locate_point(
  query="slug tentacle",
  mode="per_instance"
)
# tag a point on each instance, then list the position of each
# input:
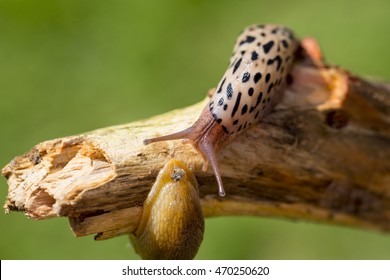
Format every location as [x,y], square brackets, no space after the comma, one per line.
[186,133]
[207,148]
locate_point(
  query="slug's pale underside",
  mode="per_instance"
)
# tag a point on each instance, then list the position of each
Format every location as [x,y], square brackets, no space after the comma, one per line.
[259,69]
[172,223]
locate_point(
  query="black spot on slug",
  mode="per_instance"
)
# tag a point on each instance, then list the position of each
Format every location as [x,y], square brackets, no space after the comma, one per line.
[225,129]
[274,30]
[220,101]
[234,61]
[278,61]
[257,77]
[270,87]
[235,122]
[250,91]
[250,39]
[235,108]
[285,43]
[220,87]
[254,55]
[259,98]
[262,34]
[229,91]
[244,109]
[219,120]
[225,107]
[246,77]
[237,65]
[267,77]
[267,47]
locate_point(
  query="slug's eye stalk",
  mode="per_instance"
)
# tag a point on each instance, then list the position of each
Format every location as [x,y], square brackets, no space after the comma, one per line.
[206,135]
[184,134]
[208,151]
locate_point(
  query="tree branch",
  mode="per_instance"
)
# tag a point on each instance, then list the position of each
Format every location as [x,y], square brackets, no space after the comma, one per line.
[318,156]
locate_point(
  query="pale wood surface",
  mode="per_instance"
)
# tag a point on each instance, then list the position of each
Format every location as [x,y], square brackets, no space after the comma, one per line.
[317,157]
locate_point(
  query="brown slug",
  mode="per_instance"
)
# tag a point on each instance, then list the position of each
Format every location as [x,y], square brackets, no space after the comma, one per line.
[172,223]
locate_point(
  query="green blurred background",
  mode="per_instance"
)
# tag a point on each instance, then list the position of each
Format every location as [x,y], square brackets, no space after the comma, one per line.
[68,67]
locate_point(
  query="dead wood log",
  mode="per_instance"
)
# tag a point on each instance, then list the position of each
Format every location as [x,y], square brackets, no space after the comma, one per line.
[318,156]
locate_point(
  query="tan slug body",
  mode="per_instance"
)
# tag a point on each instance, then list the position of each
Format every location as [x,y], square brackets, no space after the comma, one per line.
[172,223]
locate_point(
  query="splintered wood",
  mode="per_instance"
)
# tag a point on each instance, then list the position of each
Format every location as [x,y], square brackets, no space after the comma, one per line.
[322,155]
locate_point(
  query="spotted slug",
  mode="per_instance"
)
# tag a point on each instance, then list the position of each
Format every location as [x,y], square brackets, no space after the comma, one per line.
[172,223]
[259,67]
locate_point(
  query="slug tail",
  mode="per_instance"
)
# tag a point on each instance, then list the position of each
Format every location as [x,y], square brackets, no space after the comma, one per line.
[208,151]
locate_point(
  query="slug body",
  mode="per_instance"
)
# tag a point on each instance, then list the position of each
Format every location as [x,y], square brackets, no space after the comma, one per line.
[262,59]
[172,223]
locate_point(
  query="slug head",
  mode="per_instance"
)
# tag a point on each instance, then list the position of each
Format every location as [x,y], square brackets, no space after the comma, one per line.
[207,136]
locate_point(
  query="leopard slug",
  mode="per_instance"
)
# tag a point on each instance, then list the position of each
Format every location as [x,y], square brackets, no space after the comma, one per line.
[259,68]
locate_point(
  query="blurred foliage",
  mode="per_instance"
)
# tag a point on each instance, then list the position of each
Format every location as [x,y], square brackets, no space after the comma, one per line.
[72,66]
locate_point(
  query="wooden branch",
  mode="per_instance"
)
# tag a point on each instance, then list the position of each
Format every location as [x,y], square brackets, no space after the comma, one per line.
[318,156]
